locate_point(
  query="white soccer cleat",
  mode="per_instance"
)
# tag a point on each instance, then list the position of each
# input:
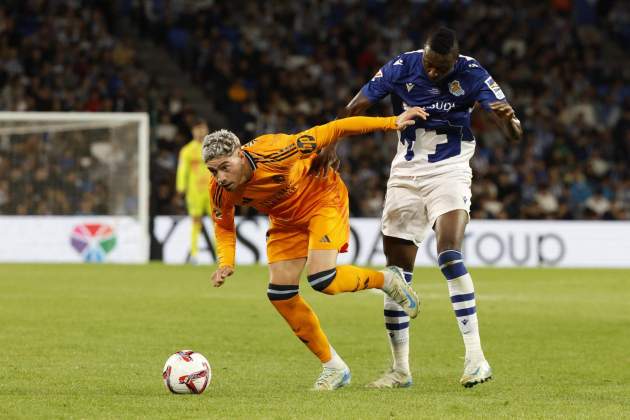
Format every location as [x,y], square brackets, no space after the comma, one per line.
[331,379]
[392,379]
[400,291]
[475,373]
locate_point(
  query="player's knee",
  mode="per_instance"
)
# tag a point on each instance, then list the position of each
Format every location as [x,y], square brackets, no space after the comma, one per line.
[278,293]
[448,243]
[321,280]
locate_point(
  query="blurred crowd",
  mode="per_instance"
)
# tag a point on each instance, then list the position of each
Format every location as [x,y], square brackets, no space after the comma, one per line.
[65,56]
[277,66]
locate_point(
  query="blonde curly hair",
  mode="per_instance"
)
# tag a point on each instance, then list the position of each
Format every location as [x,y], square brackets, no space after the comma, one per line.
[219,144]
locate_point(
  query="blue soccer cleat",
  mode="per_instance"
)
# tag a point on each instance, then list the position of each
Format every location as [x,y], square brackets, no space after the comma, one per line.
[400,291]
[475,373]
[332,378]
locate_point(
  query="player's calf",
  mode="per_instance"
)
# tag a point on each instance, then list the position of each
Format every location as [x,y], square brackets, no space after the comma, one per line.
[301,318]
[345,278]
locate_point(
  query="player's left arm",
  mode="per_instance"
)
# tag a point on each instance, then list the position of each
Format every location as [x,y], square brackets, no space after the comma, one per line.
[493,100]
[503,114]
[321,136]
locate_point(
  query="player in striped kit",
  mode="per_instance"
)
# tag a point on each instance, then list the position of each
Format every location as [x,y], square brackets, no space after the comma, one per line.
[429,184]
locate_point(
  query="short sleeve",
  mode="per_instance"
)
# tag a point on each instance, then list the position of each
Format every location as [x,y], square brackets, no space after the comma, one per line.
[381,84]
[489,92]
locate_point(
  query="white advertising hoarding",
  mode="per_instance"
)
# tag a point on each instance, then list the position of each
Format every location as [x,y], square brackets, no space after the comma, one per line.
[72,239]
[487,243]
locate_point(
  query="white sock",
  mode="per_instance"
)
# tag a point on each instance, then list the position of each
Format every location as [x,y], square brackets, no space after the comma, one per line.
[462,294]
[397,326]
[336,362]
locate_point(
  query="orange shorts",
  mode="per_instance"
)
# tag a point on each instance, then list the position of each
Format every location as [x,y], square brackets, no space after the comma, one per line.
[328,228]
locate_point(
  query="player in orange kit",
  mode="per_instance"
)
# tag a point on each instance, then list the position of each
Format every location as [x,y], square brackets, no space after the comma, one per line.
[309,223]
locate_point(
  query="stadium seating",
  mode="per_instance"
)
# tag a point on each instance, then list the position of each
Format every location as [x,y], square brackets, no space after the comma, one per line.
[282,67]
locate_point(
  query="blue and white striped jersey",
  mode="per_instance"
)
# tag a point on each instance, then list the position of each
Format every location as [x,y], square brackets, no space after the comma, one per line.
[445,139]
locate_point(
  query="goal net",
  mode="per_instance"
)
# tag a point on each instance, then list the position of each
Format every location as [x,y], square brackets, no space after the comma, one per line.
[88,169]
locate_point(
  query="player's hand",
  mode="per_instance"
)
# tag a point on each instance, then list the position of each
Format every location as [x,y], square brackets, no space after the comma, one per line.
[407,118]
[325,160]
[503,110]
[510,124]
[219,276]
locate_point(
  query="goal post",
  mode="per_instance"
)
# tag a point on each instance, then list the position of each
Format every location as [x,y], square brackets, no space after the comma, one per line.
[83,171]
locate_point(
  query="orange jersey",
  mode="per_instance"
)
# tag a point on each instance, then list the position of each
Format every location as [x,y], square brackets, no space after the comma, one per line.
[280,185]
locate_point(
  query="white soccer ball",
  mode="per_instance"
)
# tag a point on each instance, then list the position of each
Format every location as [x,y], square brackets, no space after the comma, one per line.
[186,372]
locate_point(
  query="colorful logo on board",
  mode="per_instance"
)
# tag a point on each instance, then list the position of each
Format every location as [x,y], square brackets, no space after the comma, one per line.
[93,241]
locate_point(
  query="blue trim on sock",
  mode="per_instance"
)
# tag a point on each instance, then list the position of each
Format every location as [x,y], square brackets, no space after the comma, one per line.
[465,311]
[454,270]
[396,327]
[448,256]
[462,298]
[390,313]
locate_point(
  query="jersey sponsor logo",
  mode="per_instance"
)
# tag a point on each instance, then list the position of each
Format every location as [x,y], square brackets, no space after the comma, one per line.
[377,75]
[409,86]
[398,62]
[456,88]
[306,144]
[325,239]
[434,91]
[441,106]
[495,88]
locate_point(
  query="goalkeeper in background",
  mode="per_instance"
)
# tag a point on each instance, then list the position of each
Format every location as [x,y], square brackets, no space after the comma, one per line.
[192,183]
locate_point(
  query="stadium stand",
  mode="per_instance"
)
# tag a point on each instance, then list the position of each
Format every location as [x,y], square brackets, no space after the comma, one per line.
[279,66]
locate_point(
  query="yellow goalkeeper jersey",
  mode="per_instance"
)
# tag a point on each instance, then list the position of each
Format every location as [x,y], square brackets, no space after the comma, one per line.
[192,175]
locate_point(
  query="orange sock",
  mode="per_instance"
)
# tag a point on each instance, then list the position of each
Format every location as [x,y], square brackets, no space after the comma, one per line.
[301,318]
[346,278]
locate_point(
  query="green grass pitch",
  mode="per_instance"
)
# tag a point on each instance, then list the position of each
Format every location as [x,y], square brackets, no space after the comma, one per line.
[89,341]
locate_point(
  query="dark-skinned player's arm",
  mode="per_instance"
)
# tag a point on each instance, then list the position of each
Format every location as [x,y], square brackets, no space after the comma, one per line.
[492,99]
[504,116]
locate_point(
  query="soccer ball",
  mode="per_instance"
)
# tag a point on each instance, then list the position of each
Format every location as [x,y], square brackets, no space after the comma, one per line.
[186,372]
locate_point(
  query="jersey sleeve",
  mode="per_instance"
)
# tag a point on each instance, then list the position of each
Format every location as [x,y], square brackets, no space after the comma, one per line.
[316,138]
[222,213]
[382,84]
[183,171]
[489,91]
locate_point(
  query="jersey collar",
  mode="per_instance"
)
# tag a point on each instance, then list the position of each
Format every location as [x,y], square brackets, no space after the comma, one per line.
[250,159]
